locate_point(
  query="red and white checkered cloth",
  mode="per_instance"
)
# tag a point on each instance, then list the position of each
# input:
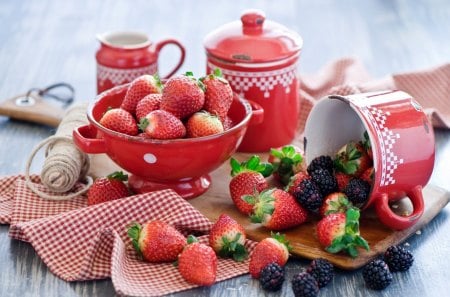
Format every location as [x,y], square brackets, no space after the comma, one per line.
[430,87]
[80,242]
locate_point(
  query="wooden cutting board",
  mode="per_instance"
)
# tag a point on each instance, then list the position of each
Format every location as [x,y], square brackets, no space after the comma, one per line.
[302,238]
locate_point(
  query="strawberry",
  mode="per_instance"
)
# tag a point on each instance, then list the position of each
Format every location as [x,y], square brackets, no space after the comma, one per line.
[138,89]
[273,249]
[295,181]
[160,124]
[333,203]
[340,232]
[227,238]
[149,103]
[182,96]
[218,94]
[352,159]
[156,241]
[276,209]
[368,175]
[247,178]
[202,123]
[119,120]
[286,161]
[108,188]
[197,263]
[342,180]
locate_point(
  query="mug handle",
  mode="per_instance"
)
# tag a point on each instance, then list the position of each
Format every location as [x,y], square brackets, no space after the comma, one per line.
[165,42]
[257,113]
[394,221]
[84,138]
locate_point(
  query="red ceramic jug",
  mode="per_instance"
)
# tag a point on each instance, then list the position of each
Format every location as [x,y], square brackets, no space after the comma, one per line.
[259,58]
[123,56]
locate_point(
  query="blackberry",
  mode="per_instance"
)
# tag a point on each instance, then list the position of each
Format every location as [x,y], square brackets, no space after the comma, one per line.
[357,191]
[325,180]
[377,275]
[321,162]
[322,270]
[272,277]
[398,258]
[304,285]
[308,195]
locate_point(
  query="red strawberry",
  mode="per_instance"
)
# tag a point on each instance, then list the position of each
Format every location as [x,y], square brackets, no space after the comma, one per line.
[295,181]
[286,161]
[352,159]
[149,103]
[119,120]
[273,249]
[197,263]
[333,203]
[340,232]
[157,241]
[227,123]
[227,238]
[202,123]
[368,175]
[247,178]
[218,94]
[160,124]
[342,180]
[108,188]
[182,96]
[276,209]
[138,89]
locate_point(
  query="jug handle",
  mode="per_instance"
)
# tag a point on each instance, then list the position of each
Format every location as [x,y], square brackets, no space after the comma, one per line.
[165,42]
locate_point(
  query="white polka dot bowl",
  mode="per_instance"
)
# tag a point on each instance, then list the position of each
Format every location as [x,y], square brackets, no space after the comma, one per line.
[179,164]
[402,144]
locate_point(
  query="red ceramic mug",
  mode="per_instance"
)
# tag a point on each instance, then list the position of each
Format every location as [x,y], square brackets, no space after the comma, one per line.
[123,56]
[402,142]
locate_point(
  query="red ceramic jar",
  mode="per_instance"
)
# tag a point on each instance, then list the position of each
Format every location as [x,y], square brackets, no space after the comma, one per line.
[259,58]
[123,56]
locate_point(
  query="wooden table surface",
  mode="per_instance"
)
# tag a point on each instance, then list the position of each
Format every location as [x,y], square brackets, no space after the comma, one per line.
[45,41]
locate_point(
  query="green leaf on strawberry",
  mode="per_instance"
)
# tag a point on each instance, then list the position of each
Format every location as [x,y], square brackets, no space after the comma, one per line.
[119,175]
[252,164]
[133,232]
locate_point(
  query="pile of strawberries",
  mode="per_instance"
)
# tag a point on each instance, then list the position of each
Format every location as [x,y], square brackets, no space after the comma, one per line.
[331,188]
[183,107]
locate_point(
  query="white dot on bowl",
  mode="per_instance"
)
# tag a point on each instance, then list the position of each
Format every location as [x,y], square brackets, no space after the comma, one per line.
[150,158]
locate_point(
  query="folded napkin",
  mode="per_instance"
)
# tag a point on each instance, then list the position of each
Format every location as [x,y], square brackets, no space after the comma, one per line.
[79,242]
[429,87]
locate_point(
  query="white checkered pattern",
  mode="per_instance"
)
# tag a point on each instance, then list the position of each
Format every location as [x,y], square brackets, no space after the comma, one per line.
[118,76]
[387,140]
[266,81]
[80,242]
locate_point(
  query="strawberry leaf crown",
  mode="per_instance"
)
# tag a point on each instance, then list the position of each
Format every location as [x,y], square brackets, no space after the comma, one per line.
[232,248]
[191,239]
[252,164]
[288,159]
[119,175]
[281,238]
[347,161]
[366,142]
[158,81]
[350,240]
[341,205]
[263,205]
[134,232]
[199,82]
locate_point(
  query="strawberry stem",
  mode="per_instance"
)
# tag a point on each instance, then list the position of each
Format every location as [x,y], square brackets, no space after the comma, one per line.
[134,232]
[119,175]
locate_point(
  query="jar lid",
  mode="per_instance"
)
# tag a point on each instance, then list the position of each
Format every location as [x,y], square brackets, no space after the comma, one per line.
[253,40]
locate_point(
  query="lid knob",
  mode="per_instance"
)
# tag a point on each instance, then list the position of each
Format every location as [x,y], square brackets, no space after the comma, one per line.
[252,21]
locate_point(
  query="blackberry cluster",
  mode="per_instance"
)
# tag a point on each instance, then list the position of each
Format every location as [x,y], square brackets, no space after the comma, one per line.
[321,162]
[272,277]
[376,274]
[308,195]
[304,285]
[357,191]
[325,180]
[322,270]
[398,258]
